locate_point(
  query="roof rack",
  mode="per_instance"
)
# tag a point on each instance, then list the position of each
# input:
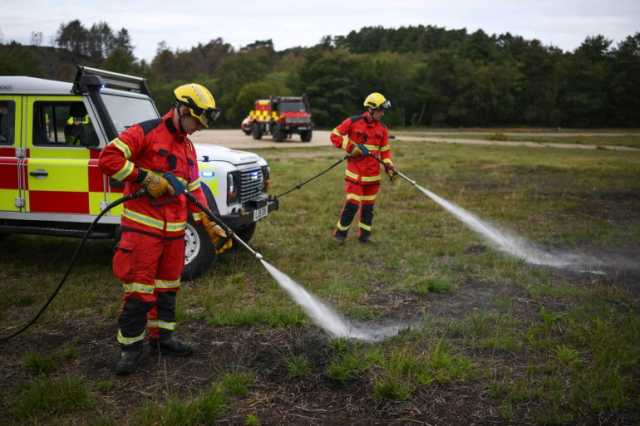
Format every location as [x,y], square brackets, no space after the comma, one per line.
[87,77]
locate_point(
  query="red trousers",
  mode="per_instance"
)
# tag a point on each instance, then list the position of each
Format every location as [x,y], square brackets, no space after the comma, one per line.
[149,267]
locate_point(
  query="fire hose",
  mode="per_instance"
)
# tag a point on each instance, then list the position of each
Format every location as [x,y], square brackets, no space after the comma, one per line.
[74,258]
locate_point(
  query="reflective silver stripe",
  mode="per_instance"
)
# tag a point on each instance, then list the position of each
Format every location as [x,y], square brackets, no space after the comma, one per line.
[167,284]
[129,340]
[122,147]
[125,171]
[162,324]
[138,288]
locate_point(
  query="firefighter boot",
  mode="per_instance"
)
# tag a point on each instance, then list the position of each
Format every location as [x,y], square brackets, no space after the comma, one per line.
[168,345]
[342,227]
[130,356]
[366,220]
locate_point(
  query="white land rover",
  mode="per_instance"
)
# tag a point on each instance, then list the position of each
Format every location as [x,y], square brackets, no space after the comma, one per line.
[51,135]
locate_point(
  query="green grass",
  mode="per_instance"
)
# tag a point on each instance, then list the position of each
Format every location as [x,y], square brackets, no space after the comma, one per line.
[47,396]
[539,345]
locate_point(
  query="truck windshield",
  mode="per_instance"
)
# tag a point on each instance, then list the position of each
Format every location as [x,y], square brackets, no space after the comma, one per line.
[127,110]
[291,107]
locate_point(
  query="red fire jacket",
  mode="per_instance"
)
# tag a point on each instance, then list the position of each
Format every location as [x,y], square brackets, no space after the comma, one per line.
[363,129]
[157,147]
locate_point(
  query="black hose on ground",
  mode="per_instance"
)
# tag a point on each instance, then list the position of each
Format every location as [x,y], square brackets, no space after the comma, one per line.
[72,263]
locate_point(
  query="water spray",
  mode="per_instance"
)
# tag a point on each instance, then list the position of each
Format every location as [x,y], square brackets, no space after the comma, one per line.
[506,241]
[321,314]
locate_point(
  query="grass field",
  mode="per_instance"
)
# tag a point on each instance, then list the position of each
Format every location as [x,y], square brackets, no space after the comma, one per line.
[494,340]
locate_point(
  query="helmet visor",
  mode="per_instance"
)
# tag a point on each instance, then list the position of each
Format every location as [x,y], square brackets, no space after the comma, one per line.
[207,116]
[386,104]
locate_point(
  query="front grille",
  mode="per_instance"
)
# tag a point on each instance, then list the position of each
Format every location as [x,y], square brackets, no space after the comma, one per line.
[251,184]
[297,120]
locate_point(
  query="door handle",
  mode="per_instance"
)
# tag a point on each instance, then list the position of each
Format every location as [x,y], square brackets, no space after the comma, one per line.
[39,173]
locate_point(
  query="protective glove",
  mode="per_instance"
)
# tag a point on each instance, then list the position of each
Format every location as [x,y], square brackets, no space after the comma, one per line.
[359,150]
[156,185]
[390,170]
[216,234]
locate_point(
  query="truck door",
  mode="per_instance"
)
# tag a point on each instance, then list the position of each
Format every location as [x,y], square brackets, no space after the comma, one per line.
[58,178]
[11,154]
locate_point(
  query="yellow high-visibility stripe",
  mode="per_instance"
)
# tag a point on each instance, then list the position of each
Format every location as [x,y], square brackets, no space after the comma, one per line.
[125,171]
[138,288]
[342,228]
[365,227]
[352,196]
[336,132]
[167,284]
[162,324]
[143,219]
[372,148]
[122,147]
[129,340]
[345,144]
[197,216]
[176,226]
[385,148]
[388,161]
[356,176]
[192,186]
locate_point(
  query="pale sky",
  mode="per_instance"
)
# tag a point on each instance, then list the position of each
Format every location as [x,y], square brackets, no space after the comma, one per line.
[184,23]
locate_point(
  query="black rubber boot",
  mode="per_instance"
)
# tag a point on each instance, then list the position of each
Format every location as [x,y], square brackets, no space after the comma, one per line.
[128,361]
[340,236]
[171,346]
[365,237]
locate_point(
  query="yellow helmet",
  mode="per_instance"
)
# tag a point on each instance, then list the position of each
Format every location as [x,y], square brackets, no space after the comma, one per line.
[376,101]
[200,102]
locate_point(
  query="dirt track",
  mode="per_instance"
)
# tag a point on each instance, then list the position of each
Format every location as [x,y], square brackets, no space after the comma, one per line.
[237,140]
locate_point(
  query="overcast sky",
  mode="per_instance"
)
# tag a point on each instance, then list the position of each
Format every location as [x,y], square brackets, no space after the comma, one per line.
[289,23]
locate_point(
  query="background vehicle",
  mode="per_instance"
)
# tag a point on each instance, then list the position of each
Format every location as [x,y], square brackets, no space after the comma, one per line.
[281,117]
[51,135]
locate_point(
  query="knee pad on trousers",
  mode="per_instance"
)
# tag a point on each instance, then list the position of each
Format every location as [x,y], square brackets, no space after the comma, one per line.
[133,317]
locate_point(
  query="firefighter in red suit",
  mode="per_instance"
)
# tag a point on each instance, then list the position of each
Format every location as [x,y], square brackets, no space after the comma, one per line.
[150,255]
[366,139]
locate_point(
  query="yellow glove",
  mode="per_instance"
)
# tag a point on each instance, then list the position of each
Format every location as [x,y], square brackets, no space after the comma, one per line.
[156,185]
[356,152]
[216,233]
[390,170]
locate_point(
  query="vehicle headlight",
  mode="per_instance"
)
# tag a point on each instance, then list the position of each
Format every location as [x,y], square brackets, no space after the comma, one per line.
[266,178]
[233,187]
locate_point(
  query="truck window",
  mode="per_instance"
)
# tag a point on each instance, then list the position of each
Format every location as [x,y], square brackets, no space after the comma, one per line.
[291,107]
[7,122]
[128,110]
[62,124]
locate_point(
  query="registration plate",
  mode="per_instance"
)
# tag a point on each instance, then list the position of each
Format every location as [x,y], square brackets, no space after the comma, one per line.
[260,213]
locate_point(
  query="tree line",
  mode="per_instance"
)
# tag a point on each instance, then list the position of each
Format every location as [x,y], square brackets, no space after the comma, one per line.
[432,75]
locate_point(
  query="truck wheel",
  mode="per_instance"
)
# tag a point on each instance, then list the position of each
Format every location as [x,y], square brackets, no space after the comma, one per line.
[245,233]
[305,135]
[279,134]
[256,131]
[199,252]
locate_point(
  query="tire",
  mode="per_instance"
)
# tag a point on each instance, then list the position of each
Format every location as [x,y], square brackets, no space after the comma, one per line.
[256,131]
[306,135]
[279,135]
[199,252]
[245,233]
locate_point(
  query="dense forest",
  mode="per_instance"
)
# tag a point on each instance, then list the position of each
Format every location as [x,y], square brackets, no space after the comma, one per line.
[433,76]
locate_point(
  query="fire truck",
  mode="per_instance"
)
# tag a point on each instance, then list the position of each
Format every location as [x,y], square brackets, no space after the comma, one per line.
[51,135]
[281,117]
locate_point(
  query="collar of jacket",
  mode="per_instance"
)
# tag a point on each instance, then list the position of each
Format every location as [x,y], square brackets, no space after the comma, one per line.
[168,121]
[368,118]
